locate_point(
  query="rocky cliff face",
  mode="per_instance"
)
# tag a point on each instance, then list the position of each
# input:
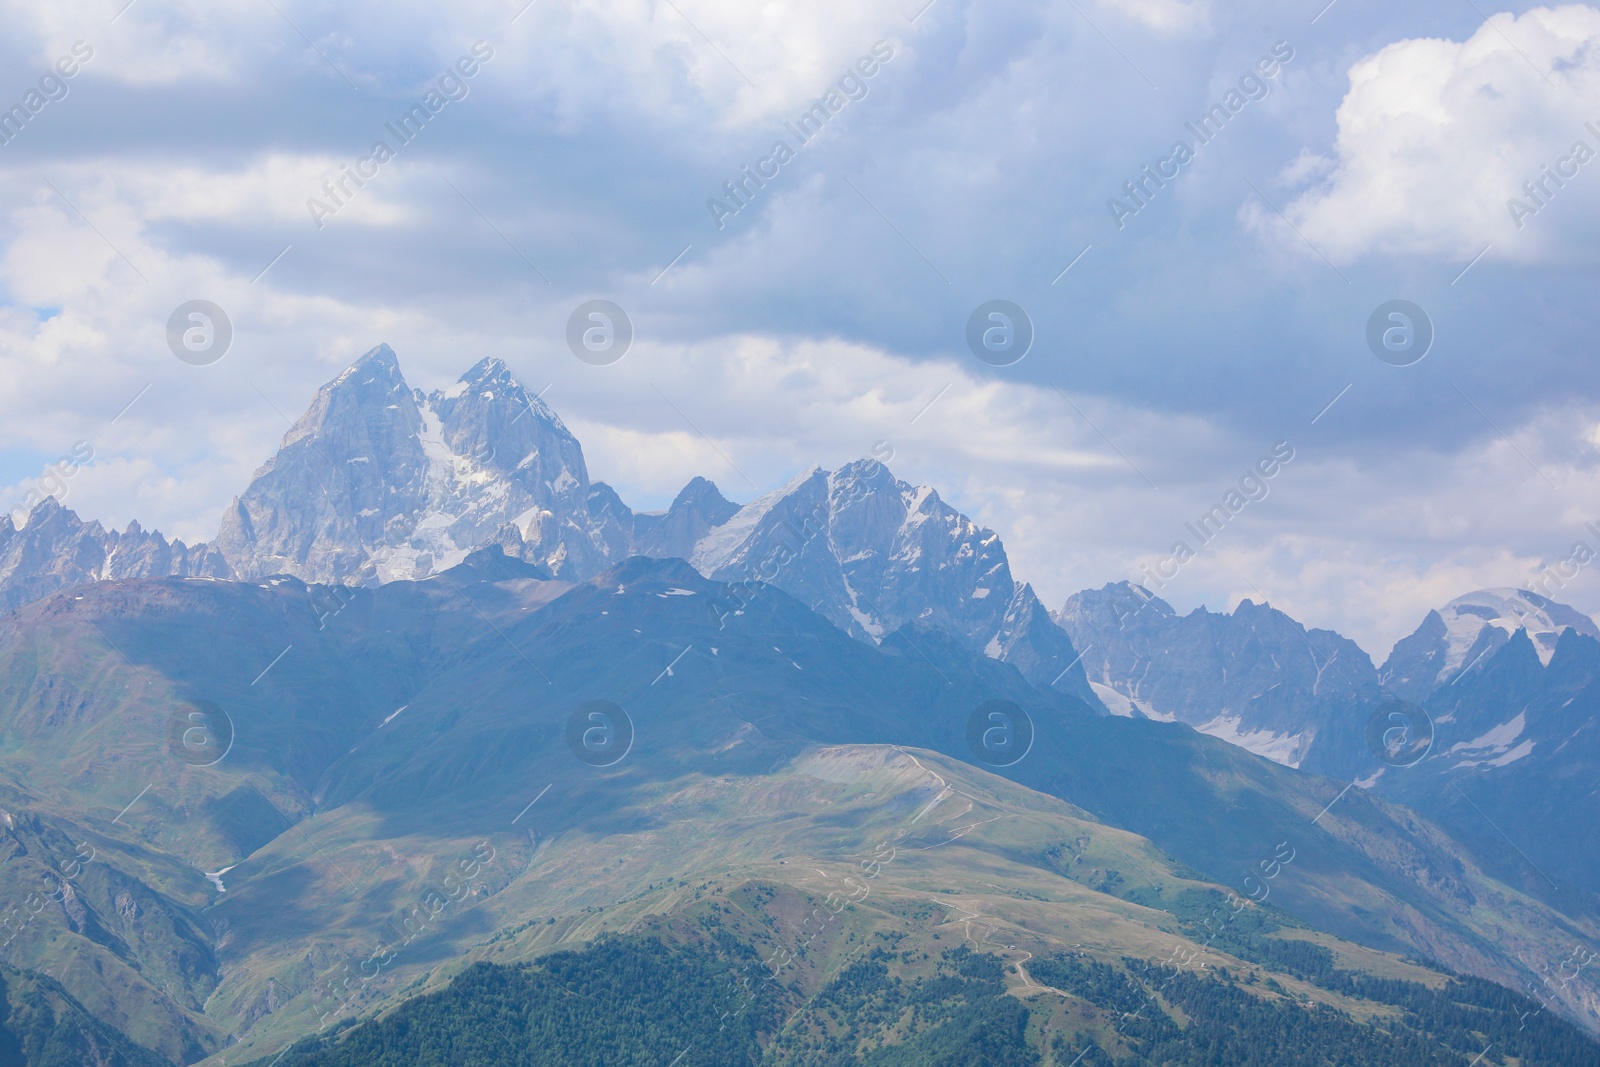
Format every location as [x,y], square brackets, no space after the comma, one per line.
[55,549]
[1514,757]
[869,551]
[1499,673]
[671,534]
[1255,677]
[696,511]
[874,554]
[377,481]
[1260,679]
[1465,633]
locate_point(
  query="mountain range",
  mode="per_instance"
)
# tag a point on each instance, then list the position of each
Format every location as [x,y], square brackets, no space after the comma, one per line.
[211,909]
[377,481]
[324,784]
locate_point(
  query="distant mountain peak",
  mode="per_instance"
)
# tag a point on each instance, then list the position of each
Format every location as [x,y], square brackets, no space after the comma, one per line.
[492,564]
[874,554]
[864,470]
[379,361]
[698,508]
[379,482]
[1507,609]
[1122,601]
[55,549]
[643,568]
[47,510]
[490,381]
[1464,634]
[490,370]
[699,491]
[1254,677]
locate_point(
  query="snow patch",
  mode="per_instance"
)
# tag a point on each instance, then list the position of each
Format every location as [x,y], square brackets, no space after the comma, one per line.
[1128,707]
[1494,747]
[1508,610]
[1498,739]
[215,877]
[1114,701]
[1515,754]
[1286,749]
[720,545]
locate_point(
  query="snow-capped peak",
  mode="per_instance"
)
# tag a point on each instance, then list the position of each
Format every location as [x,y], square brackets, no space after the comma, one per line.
[379,362]
[1507,610]
[379,482]
[873,554]
[1466,633]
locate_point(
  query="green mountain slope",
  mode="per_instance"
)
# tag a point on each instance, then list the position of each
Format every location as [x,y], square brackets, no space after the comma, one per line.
[399,802]
[42,1025]
[897,992]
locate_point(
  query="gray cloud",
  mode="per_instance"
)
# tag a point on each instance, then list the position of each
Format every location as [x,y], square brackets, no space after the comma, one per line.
[978,166]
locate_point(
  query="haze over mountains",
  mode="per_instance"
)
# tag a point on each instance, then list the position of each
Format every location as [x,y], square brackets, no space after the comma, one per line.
[402,611]
[1500,687]
[383,735]
[377,482]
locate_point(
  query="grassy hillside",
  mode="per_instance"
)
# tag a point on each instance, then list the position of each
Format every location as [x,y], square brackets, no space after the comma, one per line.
[42,1025]
[400,803]
[898,990]
[855,849]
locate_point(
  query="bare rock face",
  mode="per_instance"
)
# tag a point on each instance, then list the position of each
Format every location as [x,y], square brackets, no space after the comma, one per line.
[346,475]
[874,554]
[670,534]
[868,551]
[698,509]
[55,550]
[377,482]
[380,482]
[1254,676]
[1462,636]
[1033,642]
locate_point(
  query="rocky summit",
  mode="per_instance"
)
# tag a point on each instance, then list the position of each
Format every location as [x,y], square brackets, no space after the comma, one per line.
[379,482]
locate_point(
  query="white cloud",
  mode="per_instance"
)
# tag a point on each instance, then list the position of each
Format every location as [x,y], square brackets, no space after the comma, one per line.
[1435,136]
[1166,16]
[774,406]
[972,164]
[149,44]
[269,189]
[744,62]
[792,54]
[1365,548]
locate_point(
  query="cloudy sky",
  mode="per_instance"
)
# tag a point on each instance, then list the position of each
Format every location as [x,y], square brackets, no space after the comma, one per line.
[1430,154]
